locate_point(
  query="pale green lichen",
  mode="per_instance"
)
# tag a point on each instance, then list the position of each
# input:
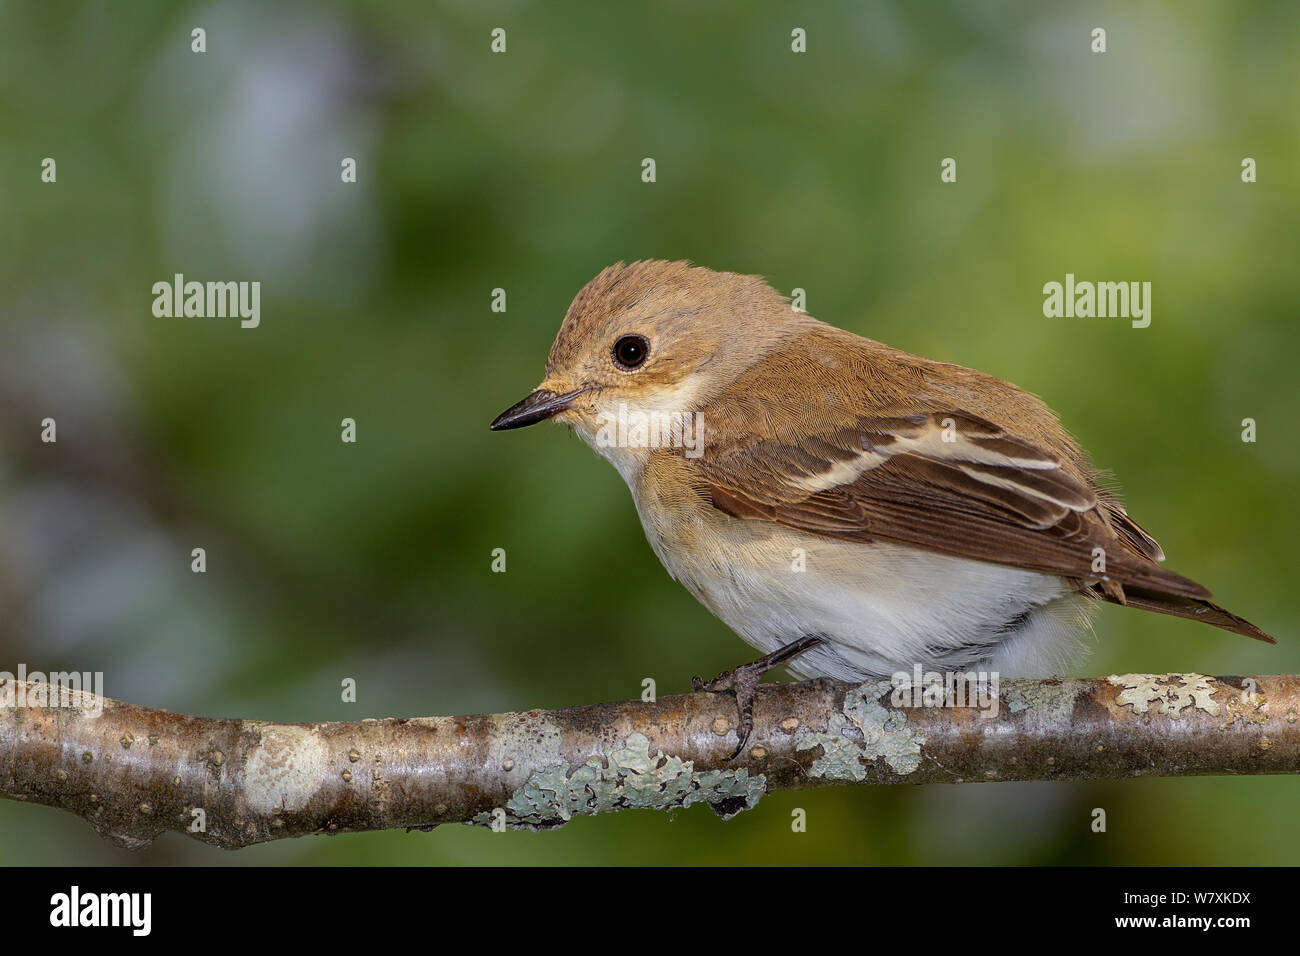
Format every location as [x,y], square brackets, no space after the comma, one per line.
[1173,692]
[1048,701]
[885,735]
[628,778]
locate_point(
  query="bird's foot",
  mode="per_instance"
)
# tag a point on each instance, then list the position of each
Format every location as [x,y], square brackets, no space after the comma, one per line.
[743,680]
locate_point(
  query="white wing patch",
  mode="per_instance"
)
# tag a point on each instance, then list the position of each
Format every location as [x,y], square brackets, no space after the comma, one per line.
[839,473]
[990,457]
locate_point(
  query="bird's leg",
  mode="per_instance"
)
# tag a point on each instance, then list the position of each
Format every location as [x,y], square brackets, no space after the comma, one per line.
[743,680]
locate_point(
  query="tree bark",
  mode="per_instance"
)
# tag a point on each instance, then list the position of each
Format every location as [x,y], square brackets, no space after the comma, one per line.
[133,772]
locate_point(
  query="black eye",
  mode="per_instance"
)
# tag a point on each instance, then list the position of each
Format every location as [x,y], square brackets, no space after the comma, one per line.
[631,351]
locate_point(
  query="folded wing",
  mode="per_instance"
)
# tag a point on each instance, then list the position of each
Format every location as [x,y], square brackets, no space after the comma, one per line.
[949,482]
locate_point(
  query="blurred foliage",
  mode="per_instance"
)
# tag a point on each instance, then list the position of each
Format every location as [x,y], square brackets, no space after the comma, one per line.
[522,171]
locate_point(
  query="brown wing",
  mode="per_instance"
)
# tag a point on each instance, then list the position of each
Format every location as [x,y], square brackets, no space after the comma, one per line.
[949,482]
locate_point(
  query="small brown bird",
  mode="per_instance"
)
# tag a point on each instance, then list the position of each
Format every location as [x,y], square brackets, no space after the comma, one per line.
[831,498]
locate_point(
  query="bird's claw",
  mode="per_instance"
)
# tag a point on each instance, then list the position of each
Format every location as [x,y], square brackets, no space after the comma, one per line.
[742,682]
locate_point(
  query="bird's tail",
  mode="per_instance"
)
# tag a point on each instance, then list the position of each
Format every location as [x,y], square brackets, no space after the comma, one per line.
[1194,609]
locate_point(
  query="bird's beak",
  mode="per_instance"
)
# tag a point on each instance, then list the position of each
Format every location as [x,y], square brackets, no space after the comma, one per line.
[539,406]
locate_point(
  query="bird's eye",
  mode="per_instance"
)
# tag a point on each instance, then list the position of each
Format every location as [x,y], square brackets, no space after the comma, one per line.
[631,351]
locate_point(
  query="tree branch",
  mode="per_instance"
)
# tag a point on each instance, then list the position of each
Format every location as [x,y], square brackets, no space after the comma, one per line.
[133,772]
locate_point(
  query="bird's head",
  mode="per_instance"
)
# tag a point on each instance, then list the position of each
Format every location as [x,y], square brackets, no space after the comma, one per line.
[653,338]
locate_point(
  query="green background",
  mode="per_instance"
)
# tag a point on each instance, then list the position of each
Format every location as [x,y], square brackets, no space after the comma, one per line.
[522,171]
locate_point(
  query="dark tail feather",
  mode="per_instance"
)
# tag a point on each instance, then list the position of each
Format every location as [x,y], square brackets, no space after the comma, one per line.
[1194,609]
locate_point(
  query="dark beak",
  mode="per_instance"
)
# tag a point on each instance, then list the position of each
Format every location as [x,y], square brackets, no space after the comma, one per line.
[537,407]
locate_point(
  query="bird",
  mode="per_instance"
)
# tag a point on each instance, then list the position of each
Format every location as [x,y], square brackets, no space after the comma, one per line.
[850,510]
